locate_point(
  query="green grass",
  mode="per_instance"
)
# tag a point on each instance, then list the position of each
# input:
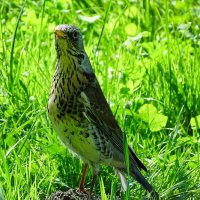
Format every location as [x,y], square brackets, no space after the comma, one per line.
[146,55]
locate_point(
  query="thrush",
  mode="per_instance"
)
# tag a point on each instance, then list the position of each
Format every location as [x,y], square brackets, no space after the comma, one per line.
[81,116]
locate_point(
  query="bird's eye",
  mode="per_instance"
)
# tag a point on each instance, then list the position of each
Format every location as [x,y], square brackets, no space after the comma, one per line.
[75,34]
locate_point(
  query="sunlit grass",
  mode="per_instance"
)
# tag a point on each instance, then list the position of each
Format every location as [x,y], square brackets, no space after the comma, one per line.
[142,54]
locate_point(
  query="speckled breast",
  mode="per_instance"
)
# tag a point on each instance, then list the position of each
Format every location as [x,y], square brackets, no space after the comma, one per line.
[76,132]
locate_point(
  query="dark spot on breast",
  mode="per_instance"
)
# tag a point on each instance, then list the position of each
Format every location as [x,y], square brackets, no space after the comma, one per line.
[52,92]
[75,91]
[68,88]
[56,84]
[72,133]
[58,116]
[69,52]
[74,65]
[86,135]
[78,79]
[61,102]
[67,70]
[63,91]
[64,106]
[69,111]
[72,74]
[63,80]
[74,117]
[62,114]
[73,86]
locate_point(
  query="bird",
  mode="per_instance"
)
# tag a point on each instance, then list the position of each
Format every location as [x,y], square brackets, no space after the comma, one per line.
[81,115]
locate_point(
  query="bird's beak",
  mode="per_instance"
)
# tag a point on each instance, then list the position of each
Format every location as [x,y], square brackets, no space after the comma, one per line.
[59,33]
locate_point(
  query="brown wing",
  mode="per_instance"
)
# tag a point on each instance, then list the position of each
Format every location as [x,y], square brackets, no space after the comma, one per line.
[101,115]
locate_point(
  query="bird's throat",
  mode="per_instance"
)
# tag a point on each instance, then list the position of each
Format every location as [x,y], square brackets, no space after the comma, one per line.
[67,83]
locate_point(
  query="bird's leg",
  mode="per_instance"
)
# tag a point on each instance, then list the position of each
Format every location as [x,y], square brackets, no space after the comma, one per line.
[81,186]
[94,178]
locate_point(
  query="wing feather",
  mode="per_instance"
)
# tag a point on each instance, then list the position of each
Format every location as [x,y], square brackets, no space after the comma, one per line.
[101,115]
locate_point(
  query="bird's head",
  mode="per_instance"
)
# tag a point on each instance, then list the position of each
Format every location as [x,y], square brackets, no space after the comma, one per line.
[68,39]
[69,44]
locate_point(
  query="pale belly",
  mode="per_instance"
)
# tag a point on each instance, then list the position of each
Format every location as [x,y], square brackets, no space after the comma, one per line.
[77,139]
[80,136]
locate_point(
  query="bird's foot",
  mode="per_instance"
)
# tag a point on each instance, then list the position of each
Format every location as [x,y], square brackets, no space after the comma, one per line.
[85,191]
[82,189]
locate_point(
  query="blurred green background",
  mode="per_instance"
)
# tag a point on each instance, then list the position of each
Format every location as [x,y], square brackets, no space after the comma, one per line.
[146,56]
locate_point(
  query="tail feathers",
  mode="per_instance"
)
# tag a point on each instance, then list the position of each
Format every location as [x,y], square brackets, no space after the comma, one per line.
[136,159]
[136,174]
[122,177]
